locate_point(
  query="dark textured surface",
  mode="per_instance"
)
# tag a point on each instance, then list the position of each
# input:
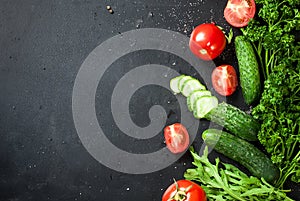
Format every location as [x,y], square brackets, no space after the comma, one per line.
[43,44]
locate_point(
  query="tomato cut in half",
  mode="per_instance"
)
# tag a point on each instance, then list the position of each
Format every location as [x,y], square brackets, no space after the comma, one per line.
[224,80]
[184,190]
[176,137]
[239,12]
[207,41]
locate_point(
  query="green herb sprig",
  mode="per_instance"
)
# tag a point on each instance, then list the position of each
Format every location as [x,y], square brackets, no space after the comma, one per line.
[230,183]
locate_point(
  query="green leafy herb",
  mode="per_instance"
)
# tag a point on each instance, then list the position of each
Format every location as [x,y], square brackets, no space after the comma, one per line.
[229,36]
[230,183]
[273,34]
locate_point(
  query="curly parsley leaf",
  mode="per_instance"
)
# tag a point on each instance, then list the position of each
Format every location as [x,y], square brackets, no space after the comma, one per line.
[273,34]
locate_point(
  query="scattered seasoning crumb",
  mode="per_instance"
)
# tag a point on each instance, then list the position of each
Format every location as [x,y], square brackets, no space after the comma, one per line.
[110,10]
[150,14]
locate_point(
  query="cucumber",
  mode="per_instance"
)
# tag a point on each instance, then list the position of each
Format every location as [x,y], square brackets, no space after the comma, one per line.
[249,70]
[194,96]
[191,85]
[174,84]
[203,105]
[235,121]
[243,152]
[182,80]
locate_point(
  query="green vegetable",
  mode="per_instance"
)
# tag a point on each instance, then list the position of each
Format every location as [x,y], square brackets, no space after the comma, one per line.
[191,99]
[249,70]
[203,105]
[273,34]
[241,151]
[279,112]
[191,85]
[225,182]
[183,80]
[174,84]
[235,121]
[199,100]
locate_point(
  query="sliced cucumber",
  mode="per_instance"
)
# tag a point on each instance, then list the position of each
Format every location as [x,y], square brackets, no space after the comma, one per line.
[174,84]
[182,81]
[203,105]
[194,96]
[191,85]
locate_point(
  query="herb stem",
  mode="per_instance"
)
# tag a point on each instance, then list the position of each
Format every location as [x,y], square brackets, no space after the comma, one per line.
[267,64]
[258,50]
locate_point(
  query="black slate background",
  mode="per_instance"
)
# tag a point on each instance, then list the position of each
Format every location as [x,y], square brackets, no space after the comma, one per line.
[43,44]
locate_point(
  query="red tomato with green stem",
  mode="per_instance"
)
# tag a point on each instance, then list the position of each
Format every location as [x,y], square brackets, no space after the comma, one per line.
[207,41]
[239,12]
[224,80]
[176,137]
[184,190]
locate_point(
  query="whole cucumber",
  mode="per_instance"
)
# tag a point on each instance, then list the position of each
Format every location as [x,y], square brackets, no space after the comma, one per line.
[249,70]
[235,121]
[243,152]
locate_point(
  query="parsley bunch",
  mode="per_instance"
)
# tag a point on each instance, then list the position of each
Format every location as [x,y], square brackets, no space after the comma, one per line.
[273,33]
[230,183]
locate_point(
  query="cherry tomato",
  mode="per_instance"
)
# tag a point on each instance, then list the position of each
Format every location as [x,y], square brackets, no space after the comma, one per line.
[207,41]
[177,138]
[184,190]
[239,12]
[224,80]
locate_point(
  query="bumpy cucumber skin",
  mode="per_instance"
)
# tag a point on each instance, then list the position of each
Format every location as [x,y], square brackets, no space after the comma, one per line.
[243,152]
[235,121]
[249,70]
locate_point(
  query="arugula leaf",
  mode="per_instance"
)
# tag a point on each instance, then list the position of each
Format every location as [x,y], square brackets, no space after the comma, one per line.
[229,183]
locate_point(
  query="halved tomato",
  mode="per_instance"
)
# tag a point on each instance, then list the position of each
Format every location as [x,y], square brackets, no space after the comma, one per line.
[239,12]
[177,138]
[224,80]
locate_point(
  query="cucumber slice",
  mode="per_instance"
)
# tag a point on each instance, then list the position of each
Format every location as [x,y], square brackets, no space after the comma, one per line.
[191,85]
[174,84]
[194,96]
[203,105]
[182,81]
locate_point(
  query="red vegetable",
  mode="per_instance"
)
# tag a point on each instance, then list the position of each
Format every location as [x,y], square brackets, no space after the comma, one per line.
[184,190]
[239,12]
[207,41]
[177,138]
[224,80]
